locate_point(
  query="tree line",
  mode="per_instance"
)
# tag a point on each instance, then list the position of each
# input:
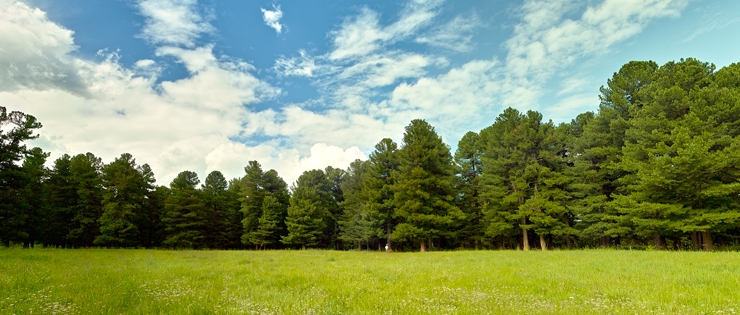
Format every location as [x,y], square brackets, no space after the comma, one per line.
[657,166]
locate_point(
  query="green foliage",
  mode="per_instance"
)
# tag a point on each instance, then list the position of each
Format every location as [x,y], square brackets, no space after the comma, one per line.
[307,211]
[126,188]
[256,185]
[423,190]
[185,216]
[220,230]
[85,171]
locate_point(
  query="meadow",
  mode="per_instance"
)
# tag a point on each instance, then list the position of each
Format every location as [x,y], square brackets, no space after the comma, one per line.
[99,281]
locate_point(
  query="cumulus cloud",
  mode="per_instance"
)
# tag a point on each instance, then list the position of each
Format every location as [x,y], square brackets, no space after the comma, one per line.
[187,124]
[549,37]
[34,51]
[370,85]
[272,18]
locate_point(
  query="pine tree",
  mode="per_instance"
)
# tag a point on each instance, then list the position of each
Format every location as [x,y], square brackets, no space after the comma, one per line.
[423,192]
[124,198]
[503,188]
[34,195]
[468,160]
[599,152]
[185,214]
[306,216]
[359,222]
[254,187]
[63,199]
[271,223]
[377,186]
[682,156]
[86,179]
[12,151]
[214,195]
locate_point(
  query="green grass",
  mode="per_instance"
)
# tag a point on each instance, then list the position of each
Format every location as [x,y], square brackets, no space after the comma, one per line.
[45,281]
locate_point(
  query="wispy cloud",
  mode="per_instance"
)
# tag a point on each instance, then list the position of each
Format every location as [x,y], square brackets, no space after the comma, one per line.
[455,35]
[713,18]
[302,66]
[370,83]
[173,22]
[363,34]
[272,18]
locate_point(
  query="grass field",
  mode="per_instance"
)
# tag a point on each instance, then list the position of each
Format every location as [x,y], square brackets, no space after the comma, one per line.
[44,281]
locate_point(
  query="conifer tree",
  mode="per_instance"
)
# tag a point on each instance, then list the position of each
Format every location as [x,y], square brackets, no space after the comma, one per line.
[86,179]
[126,187]
[307,211]
[468,159]
[185,214]
[377,187]
[599,152]
[423,192]
[214,197]
[255,186]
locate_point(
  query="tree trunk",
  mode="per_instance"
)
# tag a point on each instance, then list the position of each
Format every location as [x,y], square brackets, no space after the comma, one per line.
[543,243]
[359,246]
[658,242]
[707,238]
[423,246]
[568,241]
[695,240]
[388,239]
[676,243]
[525,240]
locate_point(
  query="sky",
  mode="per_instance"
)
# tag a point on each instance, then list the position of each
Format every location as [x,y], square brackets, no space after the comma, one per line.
[297,85]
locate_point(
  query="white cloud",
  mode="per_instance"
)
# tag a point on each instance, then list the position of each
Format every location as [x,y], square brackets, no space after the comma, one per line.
[173,22]
[456,35]
[178,125]
[303,66]
[713,18]
[370,87]
[272,18]
[34,51]
[362,34]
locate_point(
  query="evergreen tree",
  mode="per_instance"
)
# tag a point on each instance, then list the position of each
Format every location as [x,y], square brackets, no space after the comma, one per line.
[214,195]
[126,186]
[310,209]
[334,198]
[377,186]
[34,195]
[424,194]
[234,215]
[86,179]
[681,154]
[468,159]
[271,223]
[185,214]
[359,223]
[63,200]
[503,188]
[255,186]
[599,152]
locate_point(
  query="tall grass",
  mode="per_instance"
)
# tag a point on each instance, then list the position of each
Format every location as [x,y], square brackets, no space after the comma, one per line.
[47,281]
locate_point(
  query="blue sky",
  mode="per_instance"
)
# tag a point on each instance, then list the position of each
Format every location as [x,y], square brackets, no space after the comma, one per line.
[210,85]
